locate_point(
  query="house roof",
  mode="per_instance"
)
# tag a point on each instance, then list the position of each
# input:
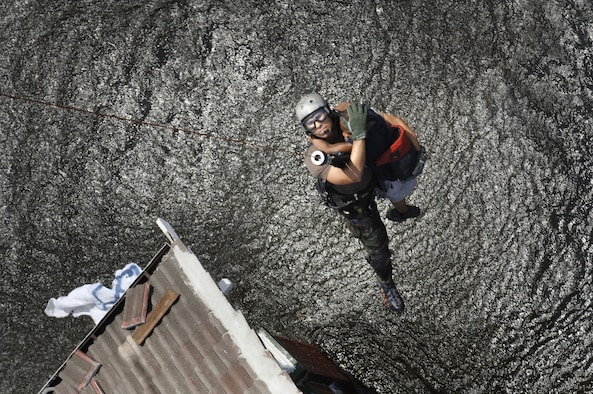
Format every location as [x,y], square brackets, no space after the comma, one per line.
[191,339]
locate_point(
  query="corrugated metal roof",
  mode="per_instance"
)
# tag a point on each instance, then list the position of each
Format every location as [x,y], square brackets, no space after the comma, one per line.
[200,345]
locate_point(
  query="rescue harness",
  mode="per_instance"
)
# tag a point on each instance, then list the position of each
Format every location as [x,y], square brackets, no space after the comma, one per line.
[340,201]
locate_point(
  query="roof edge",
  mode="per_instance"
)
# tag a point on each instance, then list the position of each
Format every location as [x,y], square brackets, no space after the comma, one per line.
[252,349]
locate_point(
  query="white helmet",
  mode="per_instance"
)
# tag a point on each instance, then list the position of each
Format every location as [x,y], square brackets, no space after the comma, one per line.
[308,104]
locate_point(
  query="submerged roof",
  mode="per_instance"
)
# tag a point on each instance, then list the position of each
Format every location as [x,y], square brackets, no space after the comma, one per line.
[192,339]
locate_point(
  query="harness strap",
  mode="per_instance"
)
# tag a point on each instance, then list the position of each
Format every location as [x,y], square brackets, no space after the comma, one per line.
[340,201]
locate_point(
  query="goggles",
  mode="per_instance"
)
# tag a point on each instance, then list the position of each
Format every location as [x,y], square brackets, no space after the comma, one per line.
[319,115]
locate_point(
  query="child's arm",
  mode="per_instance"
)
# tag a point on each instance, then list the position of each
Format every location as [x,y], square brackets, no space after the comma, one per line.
[326,147]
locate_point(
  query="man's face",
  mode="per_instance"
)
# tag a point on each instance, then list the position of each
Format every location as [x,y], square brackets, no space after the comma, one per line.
[319,124]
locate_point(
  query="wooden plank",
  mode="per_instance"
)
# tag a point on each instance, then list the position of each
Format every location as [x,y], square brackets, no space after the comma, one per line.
[155,316]
[97,387]
[136,306]
[79,370]
[93,368]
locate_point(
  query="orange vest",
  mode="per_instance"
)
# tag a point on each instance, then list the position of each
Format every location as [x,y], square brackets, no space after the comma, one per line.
[398,149]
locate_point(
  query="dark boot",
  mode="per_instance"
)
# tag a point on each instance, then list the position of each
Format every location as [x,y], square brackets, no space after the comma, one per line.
[396,216]
[391,296]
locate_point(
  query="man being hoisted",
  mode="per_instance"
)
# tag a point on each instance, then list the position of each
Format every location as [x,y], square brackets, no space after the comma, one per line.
[394,155]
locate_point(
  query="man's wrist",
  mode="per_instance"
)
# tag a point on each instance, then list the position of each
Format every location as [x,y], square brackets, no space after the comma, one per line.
[359,136]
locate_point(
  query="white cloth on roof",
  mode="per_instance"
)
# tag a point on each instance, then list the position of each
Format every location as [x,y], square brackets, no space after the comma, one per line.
[93,300]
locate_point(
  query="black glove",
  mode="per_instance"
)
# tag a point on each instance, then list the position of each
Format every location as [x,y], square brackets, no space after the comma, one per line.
[422,157]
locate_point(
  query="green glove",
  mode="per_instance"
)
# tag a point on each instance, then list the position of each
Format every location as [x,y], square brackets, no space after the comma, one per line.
[357,121]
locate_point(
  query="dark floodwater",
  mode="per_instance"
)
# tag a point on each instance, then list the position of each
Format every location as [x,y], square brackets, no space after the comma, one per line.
[497,273]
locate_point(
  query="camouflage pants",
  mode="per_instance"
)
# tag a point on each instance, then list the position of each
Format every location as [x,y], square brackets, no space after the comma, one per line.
[364,223]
